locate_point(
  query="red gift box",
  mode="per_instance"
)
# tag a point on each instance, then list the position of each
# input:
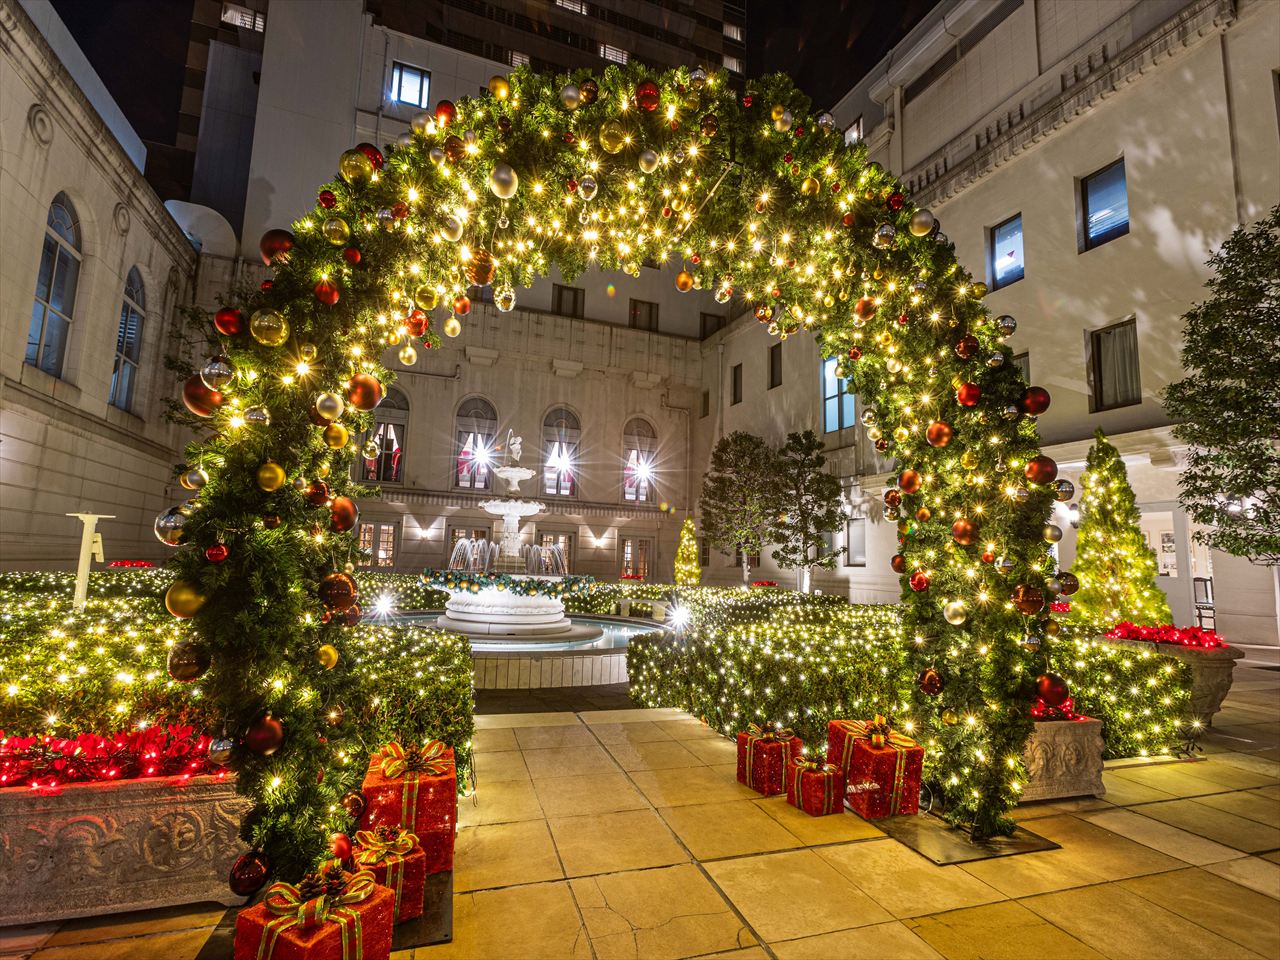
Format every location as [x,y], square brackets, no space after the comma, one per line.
[882,767]
[351,920]
[763,756]
[396,860]
[816,788]
[415,788]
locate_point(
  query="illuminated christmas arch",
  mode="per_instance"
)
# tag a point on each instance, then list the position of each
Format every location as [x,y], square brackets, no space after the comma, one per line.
[749,196]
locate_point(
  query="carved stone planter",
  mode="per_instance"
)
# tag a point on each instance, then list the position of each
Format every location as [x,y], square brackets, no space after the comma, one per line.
[95,848]
[1211,671]
[1064,759]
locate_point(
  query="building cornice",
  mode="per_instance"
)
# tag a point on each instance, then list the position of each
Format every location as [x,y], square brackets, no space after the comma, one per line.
[48,79]
[937,179]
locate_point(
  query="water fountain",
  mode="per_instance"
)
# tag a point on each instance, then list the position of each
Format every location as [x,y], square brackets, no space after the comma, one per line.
[514,589]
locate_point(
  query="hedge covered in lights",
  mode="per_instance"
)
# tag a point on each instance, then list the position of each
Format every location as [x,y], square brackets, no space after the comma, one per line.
[752,658]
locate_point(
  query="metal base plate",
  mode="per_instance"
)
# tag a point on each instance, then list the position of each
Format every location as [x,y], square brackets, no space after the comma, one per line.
[936,840]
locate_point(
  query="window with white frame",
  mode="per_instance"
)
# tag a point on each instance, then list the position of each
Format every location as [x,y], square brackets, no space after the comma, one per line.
[855,541]
[568,301]
[565,541]
[243,17]
[733,64]
[519,59]
[639,444]
[476,430]
[561,434]
[637,553]
[704,552]
[1114,373]
[853,133]
[378,545]
[410,84]
[389,431]
[614,54]
[55,289]
[574,6]
[1004,255]
[133,310]
[838,405]
[733,32]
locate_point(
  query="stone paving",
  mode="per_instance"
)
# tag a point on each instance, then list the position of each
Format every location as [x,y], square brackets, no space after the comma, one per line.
[624,834]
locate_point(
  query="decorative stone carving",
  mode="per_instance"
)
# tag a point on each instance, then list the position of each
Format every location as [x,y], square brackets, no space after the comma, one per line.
[96,848]
[1211,671]
[1064,759]
[121,218]
[40,124]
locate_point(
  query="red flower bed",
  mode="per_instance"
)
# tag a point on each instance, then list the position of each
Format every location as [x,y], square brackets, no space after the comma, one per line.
[764,583]
[631,576]
[49,762]
[132,563]
[1183,636]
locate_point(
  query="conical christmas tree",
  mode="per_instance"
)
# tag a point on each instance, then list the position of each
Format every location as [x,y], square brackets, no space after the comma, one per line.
[1116,567]
[688,570]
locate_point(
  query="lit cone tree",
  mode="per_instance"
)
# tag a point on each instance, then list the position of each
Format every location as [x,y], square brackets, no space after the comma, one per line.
[1115,565]
[688,571]
[747,195]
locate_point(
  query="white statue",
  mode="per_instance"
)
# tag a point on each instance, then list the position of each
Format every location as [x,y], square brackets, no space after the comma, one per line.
[513,446]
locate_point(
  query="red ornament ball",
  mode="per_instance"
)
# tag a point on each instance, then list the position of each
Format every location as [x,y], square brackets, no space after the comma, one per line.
[343,514]
[340,846]
[1027,600]
[849,219]
[988,557]
[938,433]
[918,581]
[266,285]
[416,323]
[338,591]
[445,112]
[964,532]
[326,292]
[909,481]
[647,96]
[216,553]
[967,347]
[865,308]
[198,398]
[930,682]
[364,392]
[270,521]
[855,353]
[351,255]
[275,246]
[229,322]
[1070,583]
[328,199]
[400,210]
[898,562]
[462,305]
[265,736]
[248,873]
[350,616]
[1041,469]
[1035,401]
[968,394]
[1052,689]
[896,200]
[892,498]
[372,152]
[317,493]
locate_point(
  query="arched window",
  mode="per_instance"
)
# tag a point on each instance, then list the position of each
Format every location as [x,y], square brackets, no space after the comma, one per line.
[477,429]
[560,435]
[55,289]
[639,444]
[390,425]
[128,341]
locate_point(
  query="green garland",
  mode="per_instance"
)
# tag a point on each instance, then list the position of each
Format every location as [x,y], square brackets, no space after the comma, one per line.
[517,584]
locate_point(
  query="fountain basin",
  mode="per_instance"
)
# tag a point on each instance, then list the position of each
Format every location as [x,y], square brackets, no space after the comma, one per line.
[502,613]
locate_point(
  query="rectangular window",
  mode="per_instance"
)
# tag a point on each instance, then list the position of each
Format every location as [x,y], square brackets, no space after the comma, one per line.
[410,85]
[1004,255]
[1104,205]
[562,540]
[568,301]
[733,32]
[475,457]
[1023,362]
[243,17]
[853,133]
[855,542]
[711,322]
[637,476]
[575,6]
[1113,366]
[559,470]
[706,404]
[615,54]
[838,405]
[732,64]
[643,315]
[457,534]
[704,552]
[636,554]
[519,59]
[385,467]
[735,384]
[753,559]
[378,545]
[775,366]
[128,349]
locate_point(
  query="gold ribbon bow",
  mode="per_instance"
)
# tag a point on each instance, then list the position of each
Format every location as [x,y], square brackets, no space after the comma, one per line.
[881,734]
[802,765]
[429,759]
[292,910]
[375,849]
[769,735]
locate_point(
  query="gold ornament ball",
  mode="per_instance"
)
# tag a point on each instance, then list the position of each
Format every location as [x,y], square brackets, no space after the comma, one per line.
[499,87]
[330,406]
[950,718]
[308,352]
[349,567]
[613,136]
[684,281]
[570,96]
[777,112]
[194,479]
[451,229]
[503,181]
[408,355]
[452,327]
[322,470]
[269,328]
[648,161]
[955,612]
[809,186]
[370,450]
[504,298]
[271,476]
[783,123]
[426,297]
[183,599]
[327,655]
[336,231]
[355,167]
[336,435]
[922,222]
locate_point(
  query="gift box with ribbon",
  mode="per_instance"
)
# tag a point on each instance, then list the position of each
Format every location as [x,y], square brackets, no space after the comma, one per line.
[763,755]
[330,915]
[882,767]
[396,860]
[815,787]
[415,788]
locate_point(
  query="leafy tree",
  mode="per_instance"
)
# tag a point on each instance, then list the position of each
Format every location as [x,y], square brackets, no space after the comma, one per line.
[810,508]
[688,569]
[739,502]
[1229,402]
[1116,567]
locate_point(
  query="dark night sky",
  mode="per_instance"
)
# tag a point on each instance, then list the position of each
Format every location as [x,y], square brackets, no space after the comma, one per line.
[138,47]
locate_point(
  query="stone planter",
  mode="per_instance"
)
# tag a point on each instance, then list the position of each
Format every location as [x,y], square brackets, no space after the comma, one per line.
[1211,671]
[95,848]
[1064,759]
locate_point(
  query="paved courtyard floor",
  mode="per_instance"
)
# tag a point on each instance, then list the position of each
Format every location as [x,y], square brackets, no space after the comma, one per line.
[624,834]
